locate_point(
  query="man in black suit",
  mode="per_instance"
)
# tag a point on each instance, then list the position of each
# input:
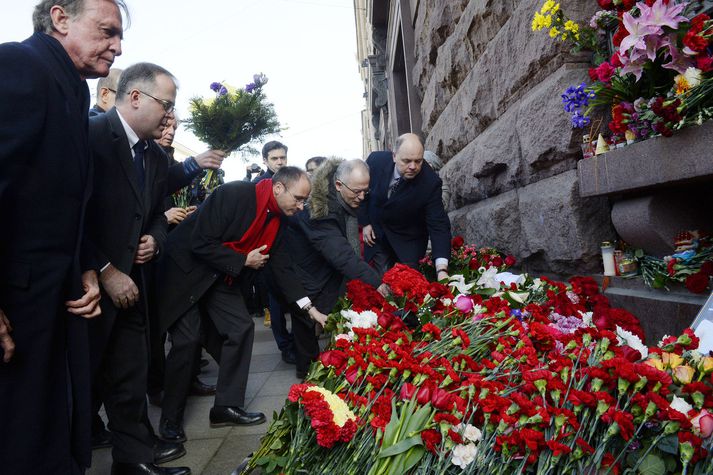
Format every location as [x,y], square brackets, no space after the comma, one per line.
[404,209]
[128,229]
[323,240]
[48,285]
[210,257]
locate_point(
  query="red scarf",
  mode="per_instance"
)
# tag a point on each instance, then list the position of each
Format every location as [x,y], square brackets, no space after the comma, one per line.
[262,231]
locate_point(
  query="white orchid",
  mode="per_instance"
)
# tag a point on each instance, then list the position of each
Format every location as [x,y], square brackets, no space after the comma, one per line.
[457,281]
[488,280]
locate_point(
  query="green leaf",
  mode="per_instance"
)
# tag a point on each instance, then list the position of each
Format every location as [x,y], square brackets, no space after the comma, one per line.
[652,465]
[276,445]
[668,445]
[412,457]
[401,446]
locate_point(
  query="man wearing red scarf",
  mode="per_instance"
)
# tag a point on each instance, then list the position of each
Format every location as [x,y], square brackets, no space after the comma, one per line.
[209,257]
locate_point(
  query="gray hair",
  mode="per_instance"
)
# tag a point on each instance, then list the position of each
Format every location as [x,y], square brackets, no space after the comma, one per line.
[348,166]
[110,81]
[139,76]
[42,20]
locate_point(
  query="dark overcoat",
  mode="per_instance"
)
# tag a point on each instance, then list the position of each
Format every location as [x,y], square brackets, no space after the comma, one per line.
[45,182]
[120,212]
[321,253]
[196,257]
[410,216]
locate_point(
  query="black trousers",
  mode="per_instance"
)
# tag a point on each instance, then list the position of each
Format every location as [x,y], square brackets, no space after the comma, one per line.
[122,382]
[306,342]
[228,331]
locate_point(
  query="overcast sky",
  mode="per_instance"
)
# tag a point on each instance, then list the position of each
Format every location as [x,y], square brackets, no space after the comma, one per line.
[307,48]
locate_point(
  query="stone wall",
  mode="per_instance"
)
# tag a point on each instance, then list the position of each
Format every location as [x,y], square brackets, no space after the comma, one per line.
[491,108]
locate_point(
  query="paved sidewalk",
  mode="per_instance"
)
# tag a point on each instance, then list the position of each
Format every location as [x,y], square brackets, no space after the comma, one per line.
[218,451]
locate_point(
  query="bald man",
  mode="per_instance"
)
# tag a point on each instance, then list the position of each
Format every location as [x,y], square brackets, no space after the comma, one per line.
[106,92]
[404,209]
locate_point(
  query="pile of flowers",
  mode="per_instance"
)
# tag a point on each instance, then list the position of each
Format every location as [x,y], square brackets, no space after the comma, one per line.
[509,375]
[691,264]
[231,119]
[652,64]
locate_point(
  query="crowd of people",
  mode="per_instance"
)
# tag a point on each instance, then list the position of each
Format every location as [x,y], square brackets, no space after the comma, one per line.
[98,264]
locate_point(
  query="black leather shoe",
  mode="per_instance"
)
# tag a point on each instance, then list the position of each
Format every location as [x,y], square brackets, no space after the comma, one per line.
[101,439]
[165,451]
[234,416]
[289,357]
[120,468]
[199,388]
[171,431]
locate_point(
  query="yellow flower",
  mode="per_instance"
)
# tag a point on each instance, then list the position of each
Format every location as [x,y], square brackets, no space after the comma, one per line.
[656,363]
[541,21]
[671,360]
[706,364]
[683,374]
[571,26]
[681,84]
[554,32]
[340,411]
[550,6]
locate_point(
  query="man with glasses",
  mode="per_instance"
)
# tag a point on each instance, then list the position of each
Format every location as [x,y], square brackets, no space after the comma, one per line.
[323,240]
[106,92]
[127,230]
[210,257]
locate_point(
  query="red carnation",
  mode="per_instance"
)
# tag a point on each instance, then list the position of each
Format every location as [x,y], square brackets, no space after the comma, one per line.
[697,283]
[457,242]
[431,438]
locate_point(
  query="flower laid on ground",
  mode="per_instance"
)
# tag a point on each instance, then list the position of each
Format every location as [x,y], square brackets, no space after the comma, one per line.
[658,76]
[691,264]
[559,382]
[232,118]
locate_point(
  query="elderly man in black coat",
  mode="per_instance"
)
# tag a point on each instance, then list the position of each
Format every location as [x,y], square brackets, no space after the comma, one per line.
[216,250]
[48,287]
[404,209]
[323,240]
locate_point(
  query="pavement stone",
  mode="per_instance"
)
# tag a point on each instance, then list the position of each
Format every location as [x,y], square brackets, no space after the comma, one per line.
[218,451]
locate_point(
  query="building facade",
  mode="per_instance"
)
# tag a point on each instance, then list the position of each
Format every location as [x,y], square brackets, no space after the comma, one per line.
[483,90]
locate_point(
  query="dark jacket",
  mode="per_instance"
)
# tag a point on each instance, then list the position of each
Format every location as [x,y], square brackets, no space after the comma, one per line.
[321,253]
[410,216]
[45,182]
[264,176]
[119,211]
[196,257]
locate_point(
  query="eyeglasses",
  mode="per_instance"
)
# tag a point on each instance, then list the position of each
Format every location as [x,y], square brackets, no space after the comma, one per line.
[167,105]
[111,90]
[299,201]
[356,192]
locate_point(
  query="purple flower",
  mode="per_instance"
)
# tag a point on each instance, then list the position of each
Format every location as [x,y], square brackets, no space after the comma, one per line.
[580,121]
[215,86]
[222,91]
[576,97]
[250,87]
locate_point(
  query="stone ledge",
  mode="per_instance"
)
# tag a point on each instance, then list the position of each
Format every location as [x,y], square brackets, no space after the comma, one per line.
[653,163]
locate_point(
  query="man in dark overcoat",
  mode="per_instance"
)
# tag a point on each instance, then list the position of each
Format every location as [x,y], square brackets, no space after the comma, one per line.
[128,230]
[323,240]
[48,285]
[209,258]
[404,209]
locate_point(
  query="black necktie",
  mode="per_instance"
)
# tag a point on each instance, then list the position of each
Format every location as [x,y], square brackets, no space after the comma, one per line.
[394,186]
[139,162]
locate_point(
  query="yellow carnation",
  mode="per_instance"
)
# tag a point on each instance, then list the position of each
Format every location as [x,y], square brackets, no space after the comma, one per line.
[340,411]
